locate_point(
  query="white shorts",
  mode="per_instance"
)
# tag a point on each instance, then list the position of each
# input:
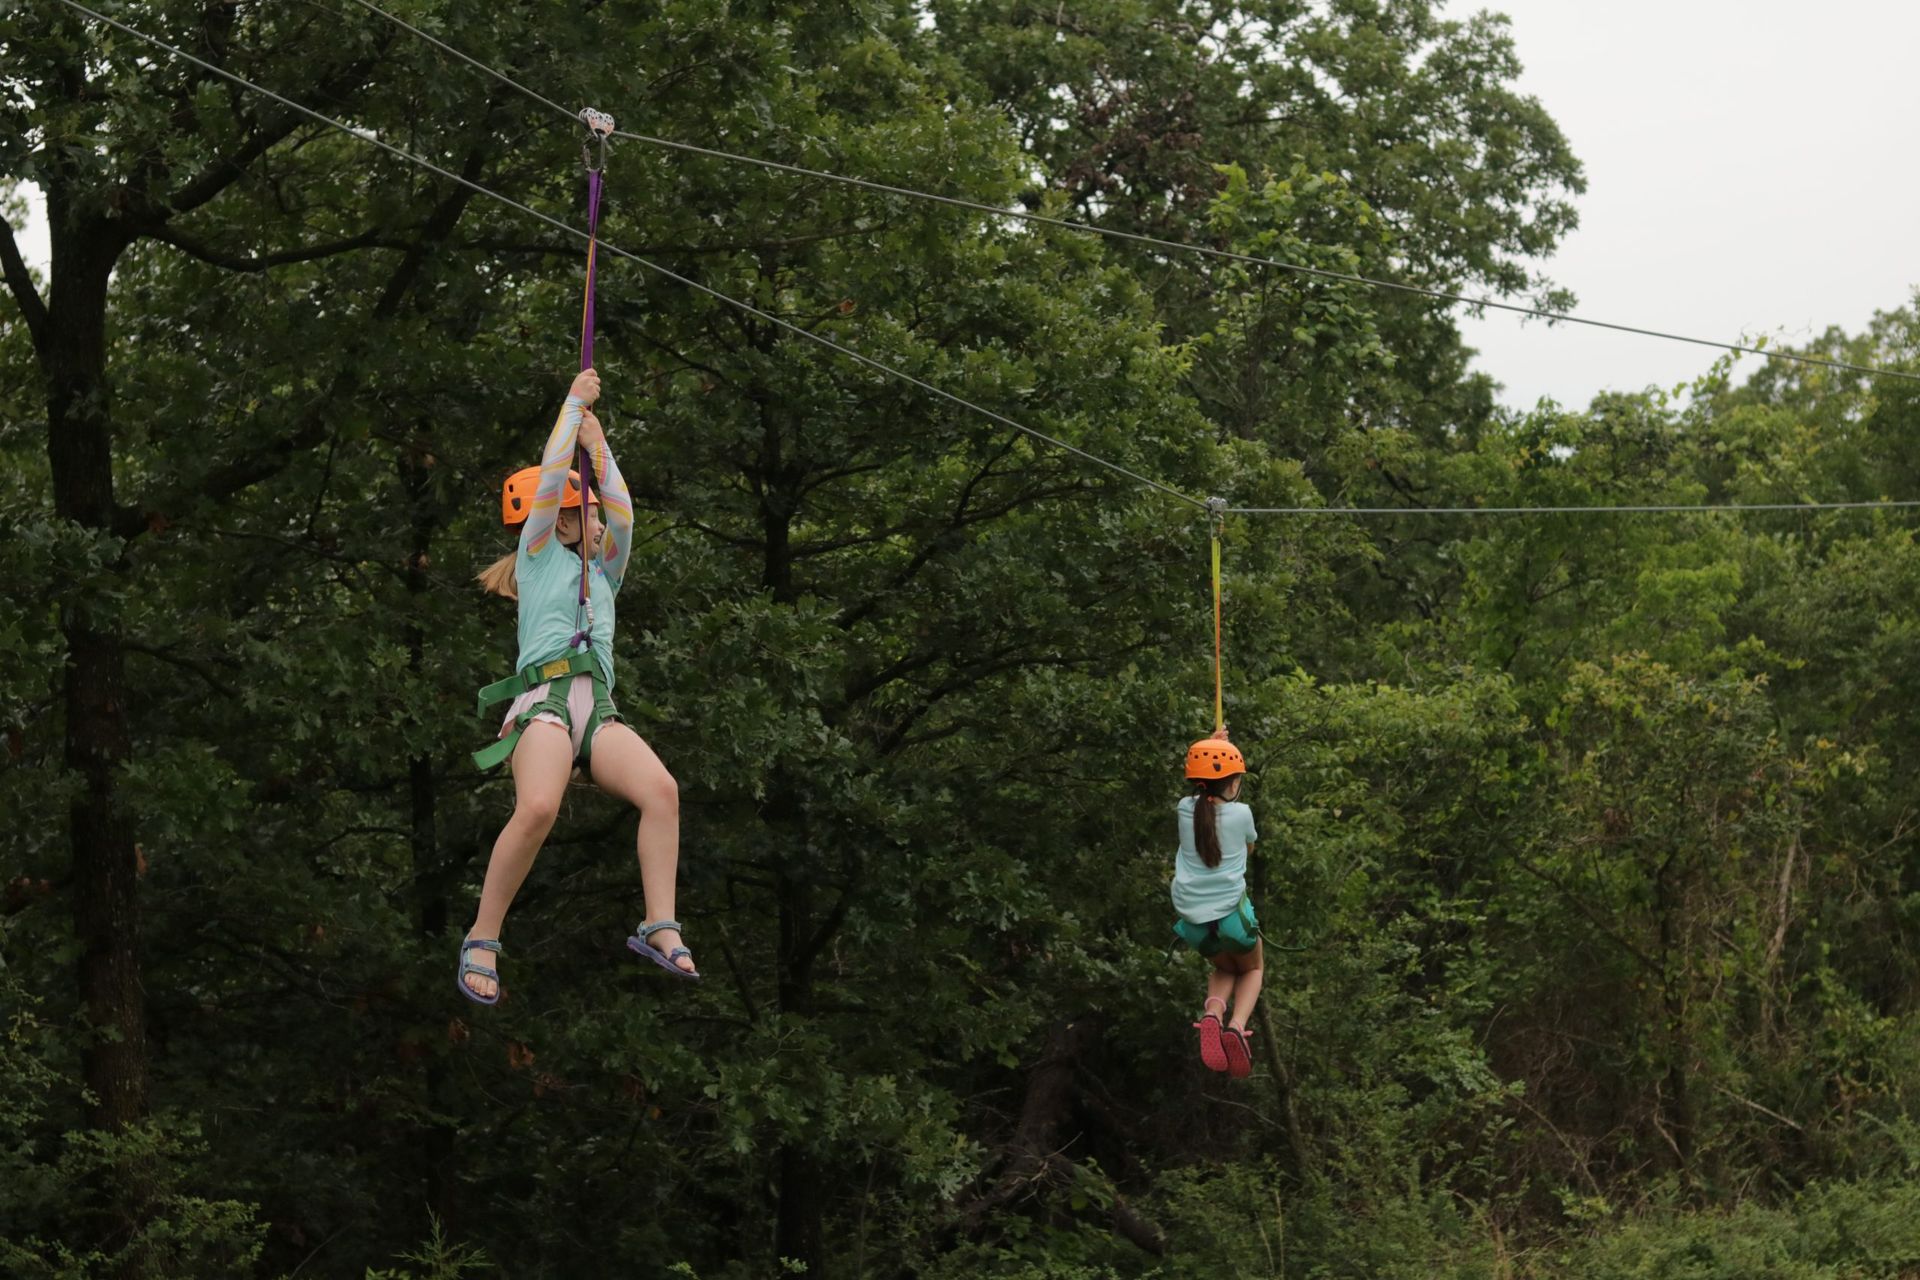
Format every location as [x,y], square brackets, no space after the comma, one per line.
[579,710]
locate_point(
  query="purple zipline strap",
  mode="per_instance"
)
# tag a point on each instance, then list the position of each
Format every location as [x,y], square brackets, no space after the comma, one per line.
[584,636]
[593,231]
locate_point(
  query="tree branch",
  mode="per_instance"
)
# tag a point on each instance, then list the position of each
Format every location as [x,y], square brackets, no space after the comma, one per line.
[823,935]
[959,520]
[199,669]
[229,169]
[286,257]
[32,309]
[242,473]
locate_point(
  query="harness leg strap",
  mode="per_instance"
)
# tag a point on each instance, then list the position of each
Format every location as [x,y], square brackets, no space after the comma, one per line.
[602,713]
[494,754]
[556,702]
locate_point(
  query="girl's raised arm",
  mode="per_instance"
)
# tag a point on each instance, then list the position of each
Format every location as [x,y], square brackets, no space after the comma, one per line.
[554,460]
[616,507]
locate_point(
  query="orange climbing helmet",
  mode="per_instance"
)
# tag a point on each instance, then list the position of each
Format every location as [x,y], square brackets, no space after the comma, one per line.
[516,495]
[1212,758]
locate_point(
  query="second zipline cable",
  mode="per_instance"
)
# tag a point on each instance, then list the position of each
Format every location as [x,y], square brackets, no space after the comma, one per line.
[1177,246]
[1657,508]
[870,362]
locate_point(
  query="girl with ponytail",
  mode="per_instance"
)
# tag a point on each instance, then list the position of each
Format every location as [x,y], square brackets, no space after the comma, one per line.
[1215,916]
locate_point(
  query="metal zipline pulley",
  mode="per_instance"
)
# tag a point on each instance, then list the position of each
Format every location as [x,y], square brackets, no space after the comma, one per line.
[599,129]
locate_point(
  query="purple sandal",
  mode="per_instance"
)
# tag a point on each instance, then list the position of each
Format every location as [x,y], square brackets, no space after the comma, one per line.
[467,967]
[639,945]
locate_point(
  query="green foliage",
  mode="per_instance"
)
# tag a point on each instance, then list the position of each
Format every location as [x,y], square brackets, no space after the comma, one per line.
[1587,862]
[437,1259]
[66,1189]
[1829,1231]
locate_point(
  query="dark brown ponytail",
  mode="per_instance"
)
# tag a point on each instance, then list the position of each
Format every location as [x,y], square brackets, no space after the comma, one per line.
[1206,831]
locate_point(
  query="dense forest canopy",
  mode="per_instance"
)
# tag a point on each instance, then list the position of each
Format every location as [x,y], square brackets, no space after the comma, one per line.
[1588,861]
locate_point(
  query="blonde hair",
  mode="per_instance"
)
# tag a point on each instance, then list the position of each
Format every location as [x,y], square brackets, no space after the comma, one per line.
[502,577]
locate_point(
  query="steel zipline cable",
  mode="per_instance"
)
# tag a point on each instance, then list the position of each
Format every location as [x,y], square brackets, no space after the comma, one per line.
[1215,507]
[1647,509]
[1157,242]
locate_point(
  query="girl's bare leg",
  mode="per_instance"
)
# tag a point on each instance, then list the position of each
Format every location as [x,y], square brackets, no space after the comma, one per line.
[1220,982]
[625,766]
[541,762]
[1246,984]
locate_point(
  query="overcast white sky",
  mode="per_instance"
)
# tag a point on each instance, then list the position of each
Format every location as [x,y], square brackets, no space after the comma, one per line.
[1749,171]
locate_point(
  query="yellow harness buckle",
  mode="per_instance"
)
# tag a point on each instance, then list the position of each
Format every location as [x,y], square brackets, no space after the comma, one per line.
[556,668]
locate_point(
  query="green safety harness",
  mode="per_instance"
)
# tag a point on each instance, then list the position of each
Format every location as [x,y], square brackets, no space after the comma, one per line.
[558,674]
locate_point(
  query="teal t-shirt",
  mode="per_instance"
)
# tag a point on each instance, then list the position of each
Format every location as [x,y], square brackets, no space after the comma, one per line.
[550,607]
[1202,893]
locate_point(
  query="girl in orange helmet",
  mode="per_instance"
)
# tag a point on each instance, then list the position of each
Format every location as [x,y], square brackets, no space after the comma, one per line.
[1215,916]
[562,712]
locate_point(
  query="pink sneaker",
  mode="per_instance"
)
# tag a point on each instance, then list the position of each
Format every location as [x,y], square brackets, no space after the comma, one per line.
[1212,1051]
[1239,1061]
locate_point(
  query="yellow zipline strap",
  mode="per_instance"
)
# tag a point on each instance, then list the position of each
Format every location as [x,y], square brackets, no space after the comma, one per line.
[1217,507]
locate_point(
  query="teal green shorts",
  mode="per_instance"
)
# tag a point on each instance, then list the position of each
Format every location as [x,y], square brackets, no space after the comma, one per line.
[1235,935]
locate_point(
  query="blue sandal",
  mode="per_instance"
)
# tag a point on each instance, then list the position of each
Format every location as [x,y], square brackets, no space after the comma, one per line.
[466,967]
[639,945]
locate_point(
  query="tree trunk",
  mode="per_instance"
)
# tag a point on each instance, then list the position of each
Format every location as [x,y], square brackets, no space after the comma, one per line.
[1674,974]
[1034,1152]
[797,1233]
[436,1149]
[802,1201]
[1289,1094]
[104,863]
[797,1226]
